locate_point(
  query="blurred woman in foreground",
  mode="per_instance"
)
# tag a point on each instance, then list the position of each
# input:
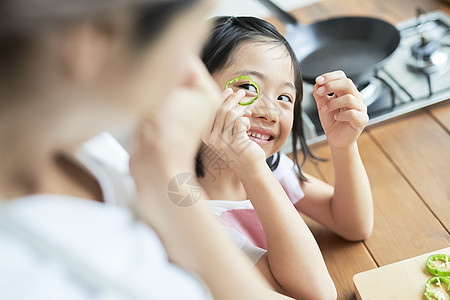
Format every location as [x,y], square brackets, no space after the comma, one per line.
[68,71]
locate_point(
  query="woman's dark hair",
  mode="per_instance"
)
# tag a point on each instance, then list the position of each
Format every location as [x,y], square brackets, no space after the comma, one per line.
[28,15]
[20,20]
[227,35]
[151,21]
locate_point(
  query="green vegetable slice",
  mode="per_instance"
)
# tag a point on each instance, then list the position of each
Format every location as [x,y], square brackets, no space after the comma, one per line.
[437,280]
[258,91]
[438,270]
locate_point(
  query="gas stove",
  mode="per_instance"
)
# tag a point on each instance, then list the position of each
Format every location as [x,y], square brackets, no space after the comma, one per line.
[415,76]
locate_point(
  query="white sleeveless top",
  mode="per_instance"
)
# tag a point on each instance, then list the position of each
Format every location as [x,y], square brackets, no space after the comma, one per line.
[240,218]
[61,247]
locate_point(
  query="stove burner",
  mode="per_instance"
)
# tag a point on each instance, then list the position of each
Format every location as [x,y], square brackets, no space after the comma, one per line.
[416,76]
[428,56]
[369,91]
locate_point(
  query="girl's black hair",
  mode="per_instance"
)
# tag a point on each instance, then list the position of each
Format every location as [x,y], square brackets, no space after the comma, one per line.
[227,35]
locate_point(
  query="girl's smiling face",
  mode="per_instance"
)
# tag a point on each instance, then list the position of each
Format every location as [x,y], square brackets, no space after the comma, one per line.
[269,65]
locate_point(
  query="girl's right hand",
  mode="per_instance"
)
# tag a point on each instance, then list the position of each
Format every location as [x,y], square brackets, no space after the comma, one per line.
[228,134]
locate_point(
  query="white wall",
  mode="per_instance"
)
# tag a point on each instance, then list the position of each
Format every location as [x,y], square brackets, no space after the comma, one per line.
[254,8]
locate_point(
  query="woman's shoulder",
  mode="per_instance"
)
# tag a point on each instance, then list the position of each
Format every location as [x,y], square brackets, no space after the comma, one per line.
[106,159]
[106,150]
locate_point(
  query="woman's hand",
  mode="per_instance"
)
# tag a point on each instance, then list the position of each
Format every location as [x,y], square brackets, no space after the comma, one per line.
[343,115]
[228,133]
[167,140]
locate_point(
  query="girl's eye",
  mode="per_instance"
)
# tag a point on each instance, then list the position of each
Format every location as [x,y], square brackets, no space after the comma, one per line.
[284,98]
[249,87]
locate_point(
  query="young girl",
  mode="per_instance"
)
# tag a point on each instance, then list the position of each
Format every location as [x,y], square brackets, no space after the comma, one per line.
[260,201]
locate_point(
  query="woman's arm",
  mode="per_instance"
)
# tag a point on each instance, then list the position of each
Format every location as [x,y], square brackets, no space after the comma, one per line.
[347,209]
[196,242]
[165,146]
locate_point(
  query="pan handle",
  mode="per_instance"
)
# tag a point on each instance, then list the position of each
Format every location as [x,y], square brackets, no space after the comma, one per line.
[282,15]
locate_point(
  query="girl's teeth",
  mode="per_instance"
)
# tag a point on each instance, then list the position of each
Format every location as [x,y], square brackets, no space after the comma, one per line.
[258,136]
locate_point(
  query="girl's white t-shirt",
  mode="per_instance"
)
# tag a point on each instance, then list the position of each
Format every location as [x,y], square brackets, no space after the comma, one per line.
[240,218]
[61,247]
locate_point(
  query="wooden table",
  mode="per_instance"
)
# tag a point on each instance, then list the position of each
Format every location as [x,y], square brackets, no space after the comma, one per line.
[408,163]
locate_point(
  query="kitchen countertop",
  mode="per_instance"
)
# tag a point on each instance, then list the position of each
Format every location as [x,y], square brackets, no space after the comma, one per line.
[408,163]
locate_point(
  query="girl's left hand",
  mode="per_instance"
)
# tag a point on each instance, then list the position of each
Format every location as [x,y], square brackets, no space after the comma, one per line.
[344,114]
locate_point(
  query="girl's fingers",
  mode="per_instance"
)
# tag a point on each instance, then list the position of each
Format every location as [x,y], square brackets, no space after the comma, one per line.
[250,94]
[357,119]
[340,87]
[206,137]
[321,100]
[241,126]
[227,93]
[335,75]
[230,102]
[348,101]
[230,111]
[222,130]
[233,116]
[233,100]
[345,93]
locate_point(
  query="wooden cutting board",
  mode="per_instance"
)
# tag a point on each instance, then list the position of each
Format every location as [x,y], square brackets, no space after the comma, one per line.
[401,280]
